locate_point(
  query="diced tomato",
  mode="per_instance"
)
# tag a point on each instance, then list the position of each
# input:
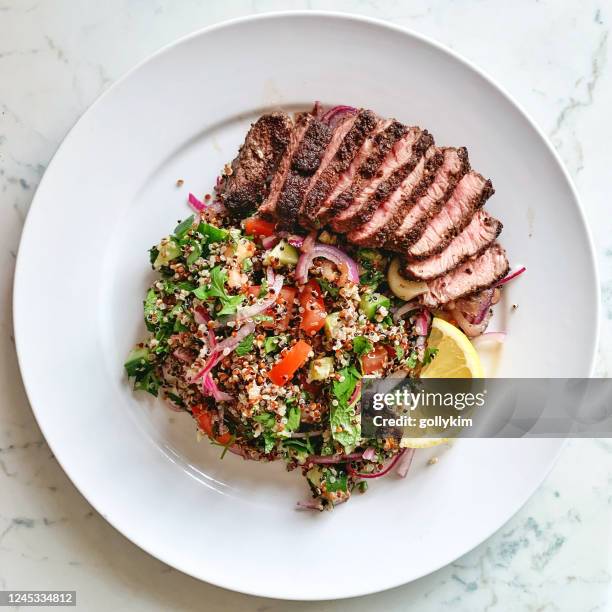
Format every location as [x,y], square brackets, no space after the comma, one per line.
[255,226]
[311,300]
[375,360]
[286,297]
[291,361]
[204,420]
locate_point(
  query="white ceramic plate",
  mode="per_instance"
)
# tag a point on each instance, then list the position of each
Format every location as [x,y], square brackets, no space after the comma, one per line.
[82,271]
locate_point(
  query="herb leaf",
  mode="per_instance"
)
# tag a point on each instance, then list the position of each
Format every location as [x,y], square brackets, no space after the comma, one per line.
[362,346]
[344,422]
[430,354]
[245,346]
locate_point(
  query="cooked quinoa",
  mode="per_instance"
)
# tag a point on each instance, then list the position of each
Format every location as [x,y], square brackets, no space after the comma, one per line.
[282,382]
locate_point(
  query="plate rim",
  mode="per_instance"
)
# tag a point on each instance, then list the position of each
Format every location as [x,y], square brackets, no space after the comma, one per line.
[300,14]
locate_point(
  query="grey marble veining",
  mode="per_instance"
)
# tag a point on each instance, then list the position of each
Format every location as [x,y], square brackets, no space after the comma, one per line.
[554,58]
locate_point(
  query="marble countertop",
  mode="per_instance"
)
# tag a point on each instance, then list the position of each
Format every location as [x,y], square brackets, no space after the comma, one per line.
[55,59]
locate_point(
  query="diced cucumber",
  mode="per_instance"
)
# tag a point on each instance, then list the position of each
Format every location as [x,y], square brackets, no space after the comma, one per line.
[167,252]
[371,302]
[321,369]
[286,255]
[137,358]
[332,324]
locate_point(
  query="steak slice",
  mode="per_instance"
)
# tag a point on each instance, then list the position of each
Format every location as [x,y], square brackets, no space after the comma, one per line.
[268,207]
[358,203]
[420,173]
[474,275]
[471,192]
[328,175]
[264,145]
[333,204]
[304,164]
[408,225]
[481,231]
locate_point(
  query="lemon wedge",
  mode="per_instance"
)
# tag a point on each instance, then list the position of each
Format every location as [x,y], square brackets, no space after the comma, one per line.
[456,356]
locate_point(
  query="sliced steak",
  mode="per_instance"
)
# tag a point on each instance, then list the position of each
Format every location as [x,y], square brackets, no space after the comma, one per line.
[328,175]
[304,164]
[357,204]
[266,142]
[353,174]
[473,275]
[408,225]
[418,175]
[481,231]
[471,192]
[302,122]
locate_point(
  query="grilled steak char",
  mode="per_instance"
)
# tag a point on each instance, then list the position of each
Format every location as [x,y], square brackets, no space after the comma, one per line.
[474,275]
[304,164]
[470,194]
[256,161]
[384,184]
[410,222]
[329,177]
[477,236]
[393,148]
[302,122]
[399,192]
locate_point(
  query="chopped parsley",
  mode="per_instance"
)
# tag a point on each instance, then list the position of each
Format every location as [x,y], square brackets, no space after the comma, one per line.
[245,346]
[362,346]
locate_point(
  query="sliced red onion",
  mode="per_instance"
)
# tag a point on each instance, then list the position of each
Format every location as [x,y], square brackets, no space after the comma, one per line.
[309,505]
[484,307]
[270,276]
[470,329]
[383,472]
[407,307]
[309,242]
[230,344]
[296,241]
[405,462]
[196,204]
[421,324]
[355,394]
[233,341]
[201,317]
[337,114]
[209,386]
[182,354]
[369,454]
[317,110]
[510,276]
[331,459]
[325,251]
[248,312]
[499,337]
[270,241]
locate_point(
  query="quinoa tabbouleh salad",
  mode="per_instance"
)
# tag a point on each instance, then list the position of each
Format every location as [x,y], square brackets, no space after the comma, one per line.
[263,330]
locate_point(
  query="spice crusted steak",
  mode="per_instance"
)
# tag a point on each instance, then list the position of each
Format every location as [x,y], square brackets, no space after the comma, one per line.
[474,275]
[359,202]
[363,167]
[377,230]
[257,159]
[302,122]
[328,175]
[304,164]
[410,222]
[481,231]
[470,194]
